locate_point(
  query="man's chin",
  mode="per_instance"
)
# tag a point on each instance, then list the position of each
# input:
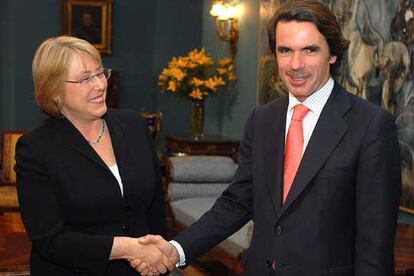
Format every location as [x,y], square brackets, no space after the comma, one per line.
[300,94]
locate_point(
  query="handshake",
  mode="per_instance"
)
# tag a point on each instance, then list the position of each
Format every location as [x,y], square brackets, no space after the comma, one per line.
[153,256]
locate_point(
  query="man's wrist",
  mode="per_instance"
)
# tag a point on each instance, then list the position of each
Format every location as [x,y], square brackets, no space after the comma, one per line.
[180,256]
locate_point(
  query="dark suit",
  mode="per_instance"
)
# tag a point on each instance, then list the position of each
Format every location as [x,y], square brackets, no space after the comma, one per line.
[71,203]
[340,214]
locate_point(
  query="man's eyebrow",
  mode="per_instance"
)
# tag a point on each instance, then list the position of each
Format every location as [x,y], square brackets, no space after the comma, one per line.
[283,48]
[312,47]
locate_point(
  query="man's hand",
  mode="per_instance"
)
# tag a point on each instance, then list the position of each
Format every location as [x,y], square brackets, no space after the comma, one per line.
[167,249]
[153,260]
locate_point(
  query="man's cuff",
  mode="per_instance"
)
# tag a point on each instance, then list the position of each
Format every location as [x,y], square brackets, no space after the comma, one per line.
[180,250]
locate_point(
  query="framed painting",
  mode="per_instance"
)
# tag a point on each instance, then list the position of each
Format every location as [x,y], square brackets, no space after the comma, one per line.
[378,66]
[90,20]
[270,86]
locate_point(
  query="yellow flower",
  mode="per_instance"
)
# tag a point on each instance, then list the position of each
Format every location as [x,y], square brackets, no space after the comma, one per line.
[164,74]
[177,74]
[195,75]
[224,61]
[204,60]
[173,63]
[212,83]
[200,57]
[196,82]
[232,77]
[196,94]
[219,80]
[192,65]
[172,86]
[222,71]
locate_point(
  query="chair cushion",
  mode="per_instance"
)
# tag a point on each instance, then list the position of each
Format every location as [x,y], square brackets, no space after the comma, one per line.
[187,211]
[202,168]
[177,191]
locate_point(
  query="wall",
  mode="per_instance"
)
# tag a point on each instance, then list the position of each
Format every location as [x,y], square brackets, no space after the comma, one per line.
[6,66]
[179,30]
[133,51]
[225,114]
[145,34]
[18,45]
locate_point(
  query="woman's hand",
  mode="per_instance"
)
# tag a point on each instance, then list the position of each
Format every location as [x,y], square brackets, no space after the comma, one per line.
[152,260]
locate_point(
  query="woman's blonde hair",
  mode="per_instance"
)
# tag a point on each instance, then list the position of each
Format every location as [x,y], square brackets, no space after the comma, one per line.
[50,69]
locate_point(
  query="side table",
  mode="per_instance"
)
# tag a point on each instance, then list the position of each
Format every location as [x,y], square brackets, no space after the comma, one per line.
[14,246]
[207,145]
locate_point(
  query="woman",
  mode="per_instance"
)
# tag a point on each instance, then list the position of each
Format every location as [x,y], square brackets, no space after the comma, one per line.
[87,179]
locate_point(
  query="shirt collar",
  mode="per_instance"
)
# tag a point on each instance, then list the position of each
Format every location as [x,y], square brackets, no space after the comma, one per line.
[316,101]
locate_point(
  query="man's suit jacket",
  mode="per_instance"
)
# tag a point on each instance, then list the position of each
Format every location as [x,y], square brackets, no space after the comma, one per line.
[340,214]
[71,203]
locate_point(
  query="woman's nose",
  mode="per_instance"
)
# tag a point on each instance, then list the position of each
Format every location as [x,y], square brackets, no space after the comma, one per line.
[101,82]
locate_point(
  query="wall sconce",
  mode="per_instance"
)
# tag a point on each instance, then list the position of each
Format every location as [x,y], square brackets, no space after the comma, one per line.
[227,15]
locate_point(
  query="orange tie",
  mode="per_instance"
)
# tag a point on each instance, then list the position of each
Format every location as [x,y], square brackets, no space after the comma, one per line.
[294,147]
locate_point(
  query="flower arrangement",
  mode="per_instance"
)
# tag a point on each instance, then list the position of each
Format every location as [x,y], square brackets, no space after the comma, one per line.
[196,75]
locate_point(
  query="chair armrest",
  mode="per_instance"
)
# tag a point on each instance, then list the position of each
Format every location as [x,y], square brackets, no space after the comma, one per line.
[201,169]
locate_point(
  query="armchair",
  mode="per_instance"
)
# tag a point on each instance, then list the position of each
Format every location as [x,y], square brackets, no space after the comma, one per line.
[193,185]
[8,193]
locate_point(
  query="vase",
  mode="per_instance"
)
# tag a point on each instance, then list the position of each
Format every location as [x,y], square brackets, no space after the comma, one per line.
[197,119]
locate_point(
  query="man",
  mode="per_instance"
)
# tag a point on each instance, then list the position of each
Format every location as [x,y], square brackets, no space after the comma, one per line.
[87,30]
[319,169]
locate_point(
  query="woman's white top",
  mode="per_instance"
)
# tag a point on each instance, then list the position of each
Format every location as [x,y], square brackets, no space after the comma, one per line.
[115,172]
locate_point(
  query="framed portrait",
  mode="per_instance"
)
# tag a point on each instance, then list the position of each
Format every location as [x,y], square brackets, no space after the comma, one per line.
[379,66]
[90,20]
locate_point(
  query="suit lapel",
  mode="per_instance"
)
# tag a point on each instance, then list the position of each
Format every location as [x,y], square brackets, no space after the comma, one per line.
[71,138]
[274,150]
[328,132]
[117,130]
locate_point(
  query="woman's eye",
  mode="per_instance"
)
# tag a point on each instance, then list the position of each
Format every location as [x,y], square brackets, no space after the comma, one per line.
[85,79]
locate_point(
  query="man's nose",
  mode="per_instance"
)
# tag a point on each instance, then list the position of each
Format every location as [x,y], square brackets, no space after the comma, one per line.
[297,61]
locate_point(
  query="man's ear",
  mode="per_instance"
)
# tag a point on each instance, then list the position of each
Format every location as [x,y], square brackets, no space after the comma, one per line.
[332,59]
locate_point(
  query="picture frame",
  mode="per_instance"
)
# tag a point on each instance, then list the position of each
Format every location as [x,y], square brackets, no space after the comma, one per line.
[90,20]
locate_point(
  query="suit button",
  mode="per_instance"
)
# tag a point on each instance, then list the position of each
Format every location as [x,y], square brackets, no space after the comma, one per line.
[125,228]
[126,209]
[279,230]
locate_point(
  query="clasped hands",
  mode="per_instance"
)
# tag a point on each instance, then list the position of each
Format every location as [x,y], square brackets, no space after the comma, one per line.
[157,257]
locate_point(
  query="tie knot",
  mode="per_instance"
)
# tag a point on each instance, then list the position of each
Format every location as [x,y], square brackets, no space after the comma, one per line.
[299,112]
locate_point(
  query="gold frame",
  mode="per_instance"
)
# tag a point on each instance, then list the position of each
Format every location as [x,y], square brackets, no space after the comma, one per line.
[102,8]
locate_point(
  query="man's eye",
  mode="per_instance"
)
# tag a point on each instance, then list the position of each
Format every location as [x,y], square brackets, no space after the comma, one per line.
[312,50]
[283,51]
